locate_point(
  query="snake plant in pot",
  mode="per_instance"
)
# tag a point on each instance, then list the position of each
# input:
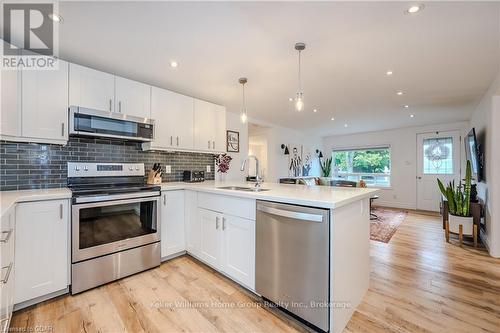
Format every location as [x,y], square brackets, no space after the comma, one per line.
[459,203]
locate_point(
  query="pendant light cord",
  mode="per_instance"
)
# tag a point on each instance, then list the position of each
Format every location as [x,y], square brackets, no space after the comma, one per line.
[300,83]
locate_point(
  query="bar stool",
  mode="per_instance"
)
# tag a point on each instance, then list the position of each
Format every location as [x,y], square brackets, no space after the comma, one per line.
[373,216]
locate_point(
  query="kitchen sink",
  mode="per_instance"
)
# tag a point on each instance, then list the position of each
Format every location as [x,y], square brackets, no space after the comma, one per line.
[240,188]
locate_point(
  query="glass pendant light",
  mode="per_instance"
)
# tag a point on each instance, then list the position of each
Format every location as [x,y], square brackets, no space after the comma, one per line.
[299,98]
[244,115]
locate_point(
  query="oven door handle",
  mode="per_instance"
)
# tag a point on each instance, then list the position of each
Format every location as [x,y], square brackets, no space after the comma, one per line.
[102,198]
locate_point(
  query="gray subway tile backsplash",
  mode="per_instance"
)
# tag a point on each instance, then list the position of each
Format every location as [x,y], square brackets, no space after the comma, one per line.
[33,165]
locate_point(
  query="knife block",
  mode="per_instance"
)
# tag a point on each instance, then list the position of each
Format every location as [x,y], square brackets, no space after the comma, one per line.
[152,179]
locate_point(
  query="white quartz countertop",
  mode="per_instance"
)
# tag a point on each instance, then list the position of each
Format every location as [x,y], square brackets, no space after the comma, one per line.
[314,196]
[9,198]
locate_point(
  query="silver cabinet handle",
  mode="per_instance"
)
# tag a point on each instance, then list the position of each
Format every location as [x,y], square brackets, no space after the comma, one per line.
[223,223]
[61,211]
[165,199]
[217,223]
[177,141]
[62,129]
[208,144]
[120,106]
[110,104]
[9,268]
[171,138]
[7,236]
[291,214]
[213,144]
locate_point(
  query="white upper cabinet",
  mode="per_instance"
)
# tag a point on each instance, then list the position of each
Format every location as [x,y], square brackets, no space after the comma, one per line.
[91,89]
[45,103]
[173,115]
[209,126]
[132,98]
[10,106]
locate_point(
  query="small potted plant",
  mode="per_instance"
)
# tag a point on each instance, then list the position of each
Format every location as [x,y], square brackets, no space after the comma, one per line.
[460,220]
[326,170]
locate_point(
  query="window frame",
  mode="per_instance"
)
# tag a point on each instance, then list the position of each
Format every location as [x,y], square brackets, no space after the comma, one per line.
[345,175]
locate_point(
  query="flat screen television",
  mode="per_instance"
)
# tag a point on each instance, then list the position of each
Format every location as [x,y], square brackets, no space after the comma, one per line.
[473,153]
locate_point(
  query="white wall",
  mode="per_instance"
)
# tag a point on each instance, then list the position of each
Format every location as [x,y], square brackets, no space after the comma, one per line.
[486,121]
[233,123]
[403,191]
[277,162]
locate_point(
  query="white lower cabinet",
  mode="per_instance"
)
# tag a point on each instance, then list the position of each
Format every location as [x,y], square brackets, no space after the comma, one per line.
[227,243]
[192,227]
[173,237]
[7,264]
[42,249]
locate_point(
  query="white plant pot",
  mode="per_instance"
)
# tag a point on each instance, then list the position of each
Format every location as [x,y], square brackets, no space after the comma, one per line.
[466,222]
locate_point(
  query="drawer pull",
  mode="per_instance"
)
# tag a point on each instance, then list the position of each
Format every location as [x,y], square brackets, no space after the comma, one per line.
[9,268]
[223,223]
[7,236]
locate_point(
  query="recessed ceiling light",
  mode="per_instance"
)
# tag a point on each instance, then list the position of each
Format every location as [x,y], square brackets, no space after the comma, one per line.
[345,125]
[290,99]
[388,73]
[406,106]
[315,110]
[55,17]
[412,116]
[414,9]
[400,93]
[332,119]
[174,64]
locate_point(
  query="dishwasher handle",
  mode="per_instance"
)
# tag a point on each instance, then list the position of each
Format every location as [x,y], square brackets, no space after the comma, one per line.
[291,214]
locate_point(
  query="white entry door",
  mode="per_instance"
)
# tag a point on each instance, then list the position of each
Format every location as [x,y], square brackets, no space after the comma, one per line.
[438,156]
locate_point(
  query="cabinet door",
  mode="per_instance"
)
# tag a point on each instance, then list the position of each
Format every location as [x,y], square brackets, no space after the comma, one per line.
[7,265]
[239,249]
[10,101]
[173,115]
[91,89]
[172,223]
[42,247]
[132,98]
[210,249]
[204,125]
[45,103]
[219,144]
[193,229]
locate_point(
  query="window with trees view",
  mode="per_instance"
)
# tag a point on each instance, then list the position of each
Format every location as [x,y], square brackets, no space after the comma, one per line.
[373,165]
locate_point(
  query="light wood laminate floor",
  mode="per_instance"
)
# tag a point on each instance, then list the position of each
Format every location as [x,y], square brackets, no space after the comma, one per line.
[418,284]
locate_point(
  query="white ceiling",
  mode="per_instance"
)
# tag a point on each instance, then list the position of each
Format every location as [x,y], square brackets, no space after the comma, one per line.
[443,58]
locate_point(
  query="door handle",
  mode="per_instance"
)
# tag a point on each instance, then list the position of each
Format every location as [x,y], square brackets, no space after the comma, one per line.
[7,236]
[110,104]
[419,177]
[62,129]
[165,199]
[177,141]
[171,138]
[217,223]
[291,214]
[223,223]
[61,211]
[9,268]
[120,106]
[213,144]
[208,144]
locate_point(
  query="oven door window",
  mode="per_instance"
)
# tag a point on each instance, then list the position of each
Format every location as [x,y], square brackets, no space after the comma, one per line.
[108,224]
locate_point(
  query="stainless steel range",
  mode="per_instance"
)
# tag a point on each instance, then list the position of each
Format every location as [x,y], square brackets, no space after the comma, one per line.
[115,223]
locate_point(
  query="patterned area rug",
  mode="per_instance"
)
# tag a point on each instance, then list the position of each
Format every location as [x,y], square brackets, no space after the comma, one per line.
[386,225]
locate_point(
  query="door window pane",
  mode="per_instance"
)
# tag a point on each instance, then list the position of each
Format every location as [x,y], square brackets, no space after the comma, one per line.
[438,156]
[107,224]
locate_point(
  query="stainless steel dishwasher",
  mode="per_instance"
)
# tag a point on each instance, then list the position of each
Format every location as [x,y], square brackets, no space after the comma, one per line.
[293,259]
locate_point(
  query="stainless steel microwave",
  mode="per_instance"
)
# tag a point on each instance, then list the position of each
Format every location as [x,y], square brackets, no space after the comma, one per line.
[88,122]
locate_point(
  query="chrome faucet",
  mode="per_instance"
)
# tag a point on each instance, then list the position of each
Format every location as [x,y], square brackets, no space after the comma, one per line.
[258,178]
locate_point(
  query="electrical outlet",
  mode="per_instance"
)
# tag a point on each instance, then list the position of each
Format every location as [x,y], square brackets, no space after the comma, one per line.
[168,169]
[209,168]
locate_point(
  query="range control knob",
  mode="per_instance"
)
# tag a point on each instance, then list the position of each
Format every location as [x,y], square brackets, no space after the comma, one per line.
[85,168]
[137,168]
[131,168]
[77,168]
